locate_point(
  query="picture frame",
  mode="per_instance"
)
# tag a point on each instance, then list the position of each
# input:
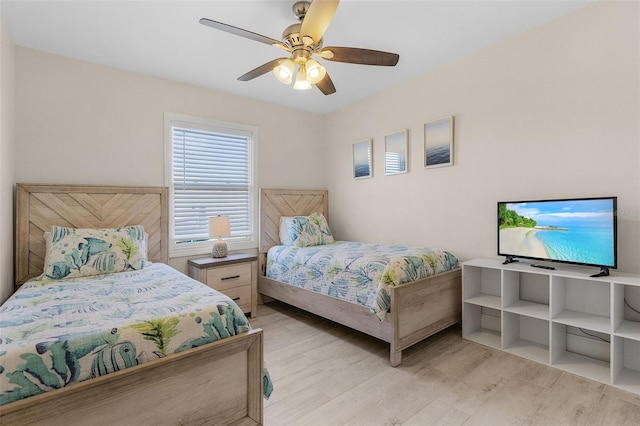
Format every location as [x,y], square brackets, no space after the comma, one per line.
[438,143]
[363,159]
[396,153]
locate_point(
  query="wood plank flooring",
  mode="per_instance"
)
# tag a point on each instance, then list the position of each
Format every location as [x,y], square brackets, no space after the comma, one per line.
[325,374]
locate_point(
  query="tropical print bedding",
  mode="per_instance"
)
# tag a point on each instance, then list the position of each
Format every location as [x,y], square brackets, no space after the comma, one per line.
[57,332]
[356,272]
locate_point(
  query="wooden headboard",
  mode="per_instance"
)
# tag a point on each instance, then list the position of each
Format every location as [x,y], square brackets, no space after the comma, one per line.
[275,203]
[39,206]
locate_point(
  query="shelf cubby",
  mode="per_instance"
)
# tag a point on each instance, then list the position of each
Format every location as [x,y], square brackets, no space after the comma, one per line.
[626,370]
[526,294]
[626,322]
[482,287]
[526,336]
[573,362]
[479,330]
[581,303]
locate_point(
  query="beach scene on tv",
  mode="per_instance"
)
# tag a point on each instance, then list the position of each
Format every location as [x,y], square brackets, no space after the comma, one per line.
[579,231]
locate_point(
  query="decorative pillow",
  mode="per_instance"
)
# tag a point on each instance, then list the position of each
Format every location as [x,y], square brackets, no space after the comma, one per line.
[305,231]
[75,252]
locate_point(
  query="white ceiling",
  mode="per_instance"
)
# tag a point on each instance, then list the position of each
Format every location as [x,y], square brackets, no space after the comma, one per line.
[164,39]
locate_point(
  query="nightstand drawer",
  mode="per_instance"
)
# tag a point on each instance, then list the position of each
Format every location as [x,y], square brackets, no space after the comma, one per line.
[226,277]
[240,295]
[235,275]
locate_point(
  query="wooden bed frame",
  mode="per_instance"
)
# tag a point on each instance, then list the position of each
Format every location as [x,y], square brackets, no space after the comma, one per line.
[418,309]
[217,383]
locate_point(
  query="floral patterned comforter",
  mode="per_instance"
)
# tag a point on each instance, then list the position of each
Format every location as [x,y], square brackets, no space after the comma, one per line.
[356,272]
[53,333]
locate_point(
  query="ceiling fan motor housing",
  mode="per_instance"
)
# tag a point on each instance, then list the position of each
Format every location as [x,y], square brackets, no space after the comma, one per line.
[291,35]
[292,38]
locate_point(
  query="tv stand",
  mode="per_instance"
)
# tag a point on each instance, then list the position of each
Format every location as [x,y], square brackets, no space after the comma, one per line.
[510,259]
[538,314]
[604,272]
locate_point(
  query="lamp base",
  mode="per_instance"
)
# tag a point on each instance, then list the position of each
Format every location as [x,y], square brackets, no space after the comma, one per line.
[219,249]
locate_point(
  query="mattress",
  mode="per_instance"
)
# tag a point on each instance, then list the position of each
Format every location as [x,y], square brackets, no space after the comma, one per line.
[356,272]
[54,333]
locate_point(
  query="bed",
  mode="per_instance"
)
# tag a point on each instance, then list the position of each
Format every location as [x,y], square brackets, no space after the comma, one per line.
[416,310]
[200,378]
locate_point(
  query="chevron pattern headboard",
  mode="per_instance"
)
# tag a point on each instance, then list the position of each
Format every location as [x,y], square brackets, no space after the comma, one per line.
[39,206]
[275,203]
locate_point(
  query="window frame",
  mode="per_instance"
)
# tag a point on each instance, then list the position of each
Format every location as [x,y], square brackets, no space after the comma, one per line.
[210,125]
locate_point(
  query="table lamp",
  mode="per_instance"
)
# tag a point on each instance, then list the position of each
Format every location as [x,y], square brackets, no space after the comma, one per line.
[219,226]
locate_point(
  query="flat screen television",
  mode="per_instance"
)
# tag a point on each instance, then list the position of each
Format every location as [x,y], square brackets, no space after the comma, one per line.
[581,231]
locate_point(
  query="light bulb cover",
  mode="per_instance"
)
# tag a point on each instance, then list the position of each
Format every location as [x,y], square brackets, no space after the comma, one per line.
[284,71]
[315,71]
[301,82]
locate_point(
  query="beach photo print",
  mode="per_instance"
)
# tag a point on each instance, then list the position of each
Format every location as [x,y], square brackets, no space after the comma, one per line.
[362,163]
[396,152]
[438,143]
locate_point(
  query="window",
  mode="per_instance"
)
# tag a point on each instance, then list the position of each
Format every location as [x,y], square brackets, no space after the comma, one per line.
[210,170]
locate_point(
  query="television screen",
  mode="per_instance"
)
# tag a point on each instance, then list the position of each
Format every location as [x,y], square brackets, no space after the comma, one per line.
[580,231]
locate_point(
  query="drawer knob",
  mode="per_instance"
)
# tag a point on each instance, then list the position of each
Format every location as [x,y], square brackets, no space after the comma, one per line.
[230,278]
[235,299]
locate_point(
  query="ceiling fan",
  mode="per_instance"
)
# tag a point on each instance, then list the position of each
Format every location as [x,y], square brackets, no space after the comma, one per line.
[303,41]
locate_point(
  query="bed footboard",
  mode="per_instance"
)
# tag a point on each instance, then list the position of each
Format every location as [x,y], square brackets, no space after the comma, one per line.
[423,308]
[348,314]
[218,383]
[418,309]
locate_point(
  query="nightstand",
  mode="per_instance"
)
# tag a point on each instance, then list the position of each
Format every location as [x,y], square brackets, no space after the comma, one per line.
[235,275]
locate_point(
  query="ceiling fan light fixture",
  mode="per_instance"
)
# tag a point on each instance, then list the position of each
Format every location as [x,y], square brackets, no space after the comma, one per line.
[302,40]
[301,82]
[284,71]
[315,71]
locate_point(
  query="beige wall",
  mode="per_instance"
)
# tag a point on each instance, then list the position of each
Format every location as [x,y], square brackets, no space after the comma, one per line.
[7,158]
[551,113]
[110,122]
[78,122]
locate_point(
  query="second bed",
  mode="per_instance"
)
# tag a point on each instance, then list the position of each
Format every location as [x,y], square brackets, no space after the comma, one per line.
[401,295]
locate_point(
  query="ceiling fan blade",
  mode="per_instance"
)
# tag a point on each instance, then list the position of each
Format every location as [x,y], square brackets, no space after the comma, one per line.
[326,85]
[262,69]
[317,19]
[244,33]
[354,55]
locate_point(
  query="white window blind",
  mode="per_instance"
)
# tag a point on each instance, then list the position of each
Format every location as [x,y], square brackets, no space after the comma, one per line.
[212,174]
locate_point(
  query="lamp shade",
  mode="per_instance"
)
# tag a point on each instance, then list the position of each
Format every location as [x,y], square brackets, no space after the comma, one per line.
[219,226]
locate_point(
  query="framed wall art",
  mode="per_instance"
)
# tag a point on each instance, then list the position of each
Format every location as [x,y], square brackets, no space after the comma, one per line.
[438,143]
[396,153]
[362,159]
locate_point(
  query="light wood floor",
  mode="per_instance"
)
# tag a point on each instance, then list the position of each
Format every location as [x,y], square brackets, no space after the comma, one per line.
[327,374]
